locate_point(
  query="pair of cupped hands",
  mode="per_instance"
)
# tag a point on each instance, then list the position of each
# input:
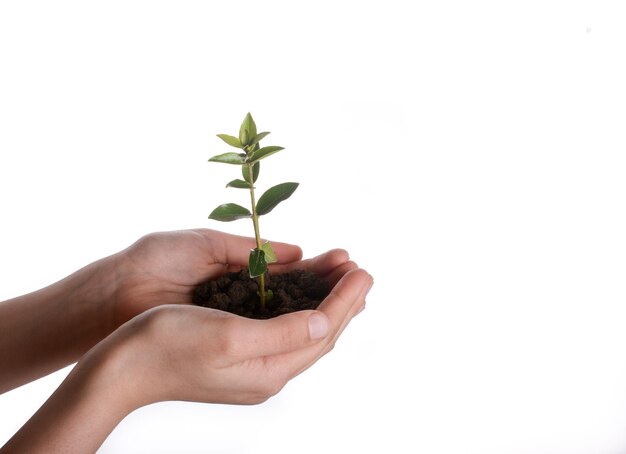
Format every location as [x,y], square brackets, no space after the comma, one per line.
[128,321]
[176,351]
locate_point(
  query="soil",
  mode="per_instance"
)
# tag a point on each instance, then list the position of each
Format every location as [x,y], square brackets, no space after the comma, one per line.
[238,293]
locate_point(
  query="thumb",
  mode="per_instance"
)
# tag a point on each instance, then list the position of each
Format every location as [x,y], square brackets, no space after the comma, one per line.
[283,334]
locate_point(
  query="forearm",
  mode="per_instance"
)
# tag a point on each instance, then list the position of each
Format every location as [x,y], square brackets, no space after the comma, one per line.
[52,327]
[80,414]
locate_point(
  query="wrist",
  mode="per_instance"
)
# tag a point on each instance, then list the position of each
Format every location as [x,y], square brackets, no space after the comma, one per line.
[128,363]
[63,321]
[83,410]
[107,371]
[93,289]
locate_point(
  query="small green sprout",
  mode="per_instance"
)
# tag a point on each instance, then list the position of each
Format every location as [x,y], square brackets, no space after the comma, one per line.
[249,141]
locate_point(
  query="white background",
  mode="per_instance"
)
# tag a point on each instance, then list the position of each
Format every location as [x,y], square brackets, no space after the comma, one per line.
[470,155]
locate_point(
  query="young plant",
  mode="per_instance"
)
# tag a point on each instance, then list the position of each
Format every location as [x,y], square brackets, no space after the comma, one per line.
[249,159]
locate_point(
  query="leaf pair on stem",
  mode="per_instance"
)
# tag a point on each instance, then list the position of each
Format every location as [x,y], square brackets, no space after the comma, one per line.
[249,159]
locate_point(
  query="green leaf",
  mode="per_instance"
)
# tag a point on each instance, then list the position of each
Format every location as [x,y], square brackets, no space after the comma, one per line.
[239,184]
[228,158]
[247,131]
[244,136]
[273,196]
[270,255]
[230,140]
[258,137]
[229,212]
[257,263]
[255,172]
[263,153]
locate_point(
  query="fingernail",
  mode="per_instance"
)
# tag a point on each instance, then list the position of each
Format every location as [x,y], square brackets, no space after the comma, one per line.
[318,325]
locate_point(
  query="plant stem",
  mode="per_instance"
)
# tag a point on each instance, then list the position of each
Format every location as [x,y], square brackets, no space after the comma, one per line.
[257,234]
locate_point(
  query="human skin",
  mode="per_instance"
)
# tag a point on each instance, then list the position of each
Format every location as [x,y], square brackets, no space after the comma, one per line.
[53,327]
[156,346]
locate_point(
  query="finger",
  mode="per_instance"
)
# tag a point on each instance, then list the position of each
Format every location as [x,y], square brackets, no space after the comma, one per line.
[356,308]
[235,250]
[243,338]
[321,265]
[330,341]
[286,253]
[345,295]
[335,275]
[340,306]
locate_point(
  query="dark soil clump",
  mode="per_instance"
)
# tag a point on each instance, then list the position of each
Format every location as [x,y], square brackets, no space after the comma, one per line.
[236,293]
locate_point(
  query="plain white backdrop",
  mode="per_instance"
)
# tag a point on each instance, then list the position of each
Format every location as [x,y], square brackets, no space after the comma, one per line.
[469,155]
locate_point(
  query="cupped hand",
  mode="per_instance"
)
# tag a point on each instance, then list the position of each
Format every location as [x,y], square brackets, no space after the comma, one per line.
[146,345]
[163,268]
[181,352]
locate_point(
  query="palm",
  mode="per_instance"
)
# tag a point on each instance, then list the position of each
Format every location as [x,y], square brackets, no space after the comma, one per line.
[163,268]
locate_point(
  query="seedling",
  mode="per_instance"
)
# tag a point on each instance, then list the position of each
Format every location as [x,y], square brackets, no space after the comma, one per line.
[249,141]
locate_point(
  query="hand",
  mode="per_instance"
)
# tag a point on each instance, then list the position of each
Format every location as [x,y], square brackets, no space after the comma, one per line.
[180,352]
[163,268]
[69,317]
[198,354]
[219,336]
